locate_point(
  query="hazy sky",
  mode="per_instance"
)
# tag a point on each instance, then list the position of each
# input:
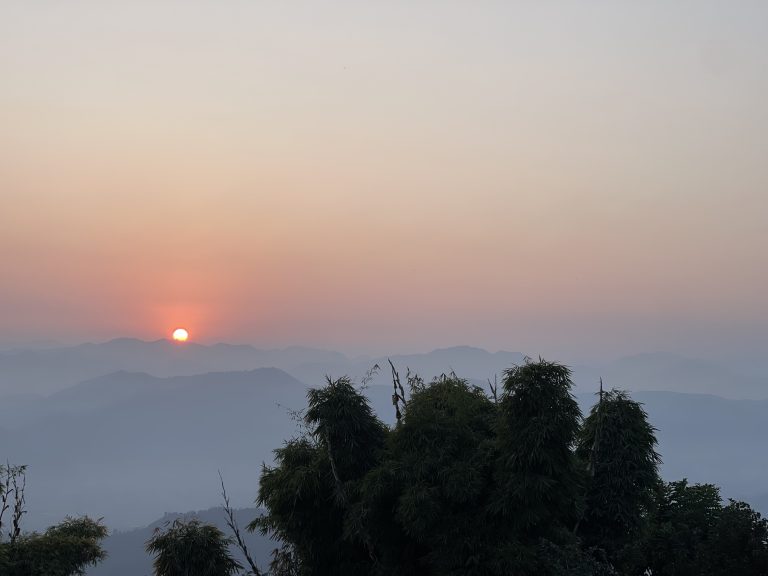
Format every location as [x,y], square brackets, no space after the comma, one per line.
[555,177]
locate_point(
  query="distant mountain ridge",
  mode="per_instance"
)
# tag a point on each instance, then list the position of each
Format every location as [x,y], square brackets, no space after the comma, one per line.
[50,370]
[131,441]
[46,371]
[126,445]
[54,369]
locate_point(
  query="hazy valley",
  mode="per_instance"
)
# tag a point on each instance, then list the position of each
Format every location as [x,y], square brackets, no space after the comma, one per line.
[132,441]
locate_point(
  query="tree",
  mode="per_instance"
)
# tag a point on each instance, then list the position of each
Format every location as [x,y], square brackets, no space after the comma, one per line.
[190,548]
[461,485]
[740,542]
[468,485]
[693,534]
[13,482]
[66,549]
[315,483]
[616,445]
[423,503]
[536,474]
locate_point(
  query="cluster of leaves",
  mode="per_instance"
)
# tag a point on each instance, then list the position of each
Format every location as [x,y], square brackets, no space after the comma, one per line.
[320,477]
[616,443]
[517,483]
[190,547]
[66,549]
[694,533]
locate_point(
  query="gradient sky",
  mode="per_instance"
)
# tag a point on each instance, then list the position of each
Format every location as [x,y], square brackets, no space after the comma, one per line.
[553,177]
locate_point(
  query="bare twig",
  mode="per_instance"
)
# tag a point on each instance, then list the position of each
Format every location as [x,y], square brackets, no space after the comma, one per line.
[5,492]
[415,382]
[596,443]
[398,394]
[19,501]
[232,523]
[13,482]
[369,375]
[494,386]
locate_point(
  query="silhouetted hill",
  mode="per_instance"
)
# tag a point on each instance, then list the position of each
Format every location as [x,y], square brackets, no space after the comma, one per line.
[127,445]
[50,370]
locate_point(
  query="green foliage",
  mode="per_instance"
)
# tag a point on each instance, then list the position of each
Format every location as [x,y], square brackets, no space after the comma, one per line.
[471,486]
[695,535]
[434,480]
[344,424]
[684,525]
[740,542]
[66,549]
[190,548]
[537,478]
[570,560]
[617,447]
[315,483]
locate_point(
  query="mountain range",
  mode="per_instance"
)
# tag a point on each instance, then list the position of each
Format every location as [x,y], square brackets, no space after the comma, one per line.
[130,444]
[44,371]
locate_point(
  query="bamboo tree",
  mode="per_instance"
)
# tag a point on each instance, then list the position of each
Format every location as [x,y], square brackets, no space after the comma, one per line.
[617,446]
[190,548]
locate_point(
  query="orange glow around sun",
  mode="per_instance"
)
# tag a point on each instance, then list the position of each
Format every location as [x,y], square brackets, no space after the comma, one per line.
[180,335]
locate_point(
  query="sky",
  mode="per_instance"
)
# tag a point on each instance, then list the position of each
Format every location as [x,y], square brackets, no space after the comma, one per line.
[567,178]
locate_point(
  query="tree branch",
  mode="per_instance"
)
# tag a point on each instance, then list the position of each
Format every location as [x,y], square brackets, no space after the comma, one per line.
[232,523]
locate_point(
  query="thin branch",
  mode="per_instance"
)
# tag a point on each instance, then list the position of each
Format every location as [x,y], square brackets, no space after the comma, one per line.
[494,386]
[232,523]
[18,474]
[596,443]
[369,375]
[398,395]
[5,491]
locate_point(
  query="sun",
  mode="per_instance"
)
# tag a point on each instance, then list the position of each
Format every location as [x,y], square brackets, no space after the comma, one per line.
[180,335]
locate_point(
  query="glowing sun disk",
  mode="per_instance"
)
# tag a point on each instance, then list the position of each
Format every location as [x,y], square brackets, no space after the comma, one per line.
[180,335]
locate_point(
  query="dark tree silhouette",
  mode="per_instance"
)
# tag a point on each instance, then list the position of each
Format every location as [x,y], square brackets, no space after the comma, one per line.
[190,548]
[66,549]
[536,472]
[617,445]
[315,483]
[423,502]
[513,484]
